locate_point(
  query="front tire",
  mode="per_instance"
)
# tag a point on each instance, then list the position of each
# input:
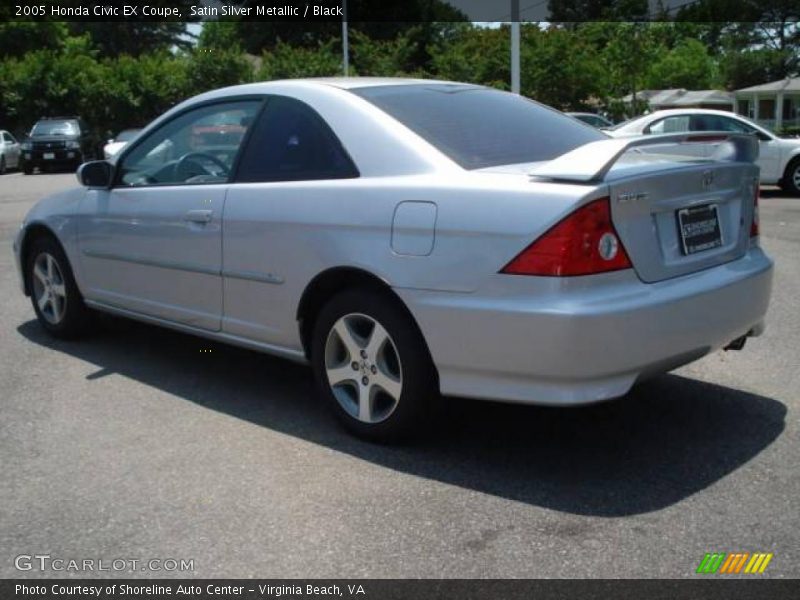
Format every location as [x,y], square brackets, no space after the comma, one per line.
[372,366]
[55,297]
[2,165]
[791,178]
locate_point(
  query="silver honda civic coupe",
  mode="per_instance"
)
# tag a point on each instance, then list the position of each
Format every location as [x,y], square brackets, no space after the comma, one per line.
[409,238]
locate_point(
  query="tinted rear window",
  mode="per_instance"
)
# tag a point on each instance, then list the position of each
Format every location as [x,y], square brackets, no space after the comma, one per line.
[479,127]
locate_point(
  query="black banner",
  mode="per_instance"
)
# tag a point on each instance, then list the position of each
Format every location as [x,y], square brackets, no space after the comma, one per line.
[407,11]
[390,589]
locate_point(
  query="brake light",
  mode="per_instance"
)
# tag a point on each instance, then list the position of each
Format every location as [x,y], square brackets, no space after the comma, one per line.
[754,223]
[583,243]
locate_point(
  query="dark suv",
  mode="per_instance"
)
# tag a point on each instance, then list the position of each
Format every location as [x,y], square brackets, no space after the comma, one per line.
[57,142]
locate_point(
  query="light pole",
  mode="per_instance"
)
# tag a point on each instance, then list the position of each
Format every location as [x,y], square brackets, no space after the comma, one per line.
[345,45]
[515,46]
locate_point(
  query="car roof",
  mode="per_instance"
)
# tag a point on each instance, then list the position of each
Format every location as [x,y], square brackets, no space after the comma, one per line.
[685,111]
[343,83]
[321,84]
[348,83]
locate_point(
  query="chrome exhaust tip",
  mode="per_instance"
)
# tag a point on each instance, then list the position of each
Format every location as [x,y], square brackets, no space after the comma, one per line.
[736,344]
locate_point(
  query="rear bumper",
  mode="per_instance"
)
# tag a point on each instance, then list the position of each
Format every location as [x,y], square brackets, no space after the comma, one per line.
[584,339]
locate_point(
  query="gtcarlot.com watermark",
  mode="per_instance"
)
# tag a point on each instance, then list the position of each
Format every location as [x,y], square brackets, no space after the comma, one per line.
[46,562]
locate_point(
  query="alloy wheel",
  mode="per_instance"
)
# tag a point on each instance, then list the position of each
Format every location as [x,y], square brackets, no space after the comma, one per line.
[49,288]
[363,368]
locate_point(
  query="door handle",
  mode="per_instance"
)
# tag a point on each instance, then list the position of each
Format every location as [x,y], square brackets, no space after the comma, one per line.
[199,216]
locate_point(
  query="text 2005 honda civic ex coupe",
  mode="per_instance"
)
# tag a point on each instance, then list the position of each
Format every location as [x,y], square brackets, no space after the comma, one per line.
[411,237]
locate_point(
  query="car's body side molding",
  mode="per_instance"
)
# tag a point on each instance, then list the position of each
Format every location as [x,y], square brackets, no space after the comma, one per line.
[221,336]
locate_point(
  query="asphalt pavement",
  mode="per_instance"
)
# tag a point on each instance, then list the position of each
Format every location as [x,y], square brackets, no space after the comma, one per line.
[139,443]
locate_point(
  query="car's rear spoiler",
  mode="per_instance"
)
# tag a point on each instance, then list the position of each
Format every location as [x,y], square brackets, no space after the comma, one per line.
[591,162]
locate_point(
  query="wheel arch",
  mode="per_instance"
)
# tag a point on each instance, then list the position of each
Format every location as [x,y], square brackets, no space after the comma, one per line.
[791,161]
[33,232]
[337,279]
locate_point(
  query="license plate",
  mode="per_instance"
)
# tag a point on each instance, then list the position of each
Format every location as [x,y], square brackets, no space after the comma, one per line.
[699,227]
[48,155]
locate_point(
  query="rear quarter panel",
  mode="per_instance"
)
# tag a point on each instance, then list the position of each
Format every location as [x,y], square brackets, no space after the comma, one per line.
[288,233]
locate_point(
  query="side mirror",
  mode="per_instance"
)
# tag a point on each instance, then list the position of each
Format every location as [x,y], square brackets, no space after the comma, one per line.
[95,174]
[110,141]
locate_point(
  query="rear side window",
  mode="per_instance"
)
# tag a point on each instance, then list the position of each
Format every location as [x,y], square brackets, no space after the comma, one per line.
[479,127]
[291,142]
[718,123]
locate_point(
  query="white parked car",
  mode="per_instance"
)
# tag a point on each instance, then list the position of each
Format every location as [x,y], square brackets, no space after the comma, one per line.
[779,158]
[9,152]
[410,237]
[595,120]
[113,147]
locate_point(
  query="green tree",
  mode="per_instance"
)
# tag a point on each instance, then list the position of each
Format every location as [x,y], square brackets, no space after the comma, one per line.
[212,68]
[560,69]
[687,65]
[17,38]
[475,55]
[285,61]
[739,69]
[381,58]
[133,37]
[630,52]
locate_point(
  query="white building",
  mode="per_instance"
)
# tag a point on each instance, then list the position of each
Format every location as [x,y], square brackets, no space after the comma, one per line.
[775,105]
[681,98]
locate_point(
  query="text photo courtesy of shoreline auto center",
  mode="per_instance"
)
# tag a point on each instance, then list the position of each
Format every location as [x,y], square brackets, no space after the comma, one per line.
[399,299]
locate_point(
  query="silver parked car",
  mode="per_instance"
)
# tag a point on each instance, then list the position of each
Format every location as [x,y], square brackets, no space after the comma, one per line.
[9,152]
[779,158]
[410,237]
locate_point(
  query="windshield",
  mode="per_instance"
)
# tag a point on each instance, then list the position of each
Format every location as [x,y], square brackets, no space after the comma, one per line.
[480,127]
[127,135]
[55,127]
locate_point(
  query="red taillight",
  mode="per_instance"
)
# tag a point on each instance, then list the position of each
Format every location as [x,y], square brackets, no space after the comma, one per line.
[754,223]
[583,243]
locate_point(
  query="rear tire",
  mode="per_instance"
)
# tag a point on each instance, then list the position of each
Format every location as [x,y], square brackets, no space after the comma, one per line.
[27,169]
[55,297]
[372,367]
[791,178]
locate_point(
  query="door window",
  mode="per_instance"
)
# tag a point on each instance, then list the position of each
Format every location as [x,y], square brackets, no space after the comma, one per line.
[199,146]
[291,142]
[676,124]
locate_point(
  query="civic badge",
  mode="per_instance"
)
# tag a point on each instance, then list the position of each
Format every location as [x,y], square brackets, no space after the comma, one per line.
[631,197]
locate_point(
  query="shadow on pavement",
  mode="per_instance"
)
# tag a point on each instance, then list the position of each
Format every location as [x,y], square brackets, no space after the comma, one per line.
[666,440]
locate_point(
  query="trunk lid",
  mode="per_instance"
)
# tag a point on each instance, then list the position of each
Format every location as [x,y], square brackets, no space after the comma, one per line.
[674,214]
[652,211]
